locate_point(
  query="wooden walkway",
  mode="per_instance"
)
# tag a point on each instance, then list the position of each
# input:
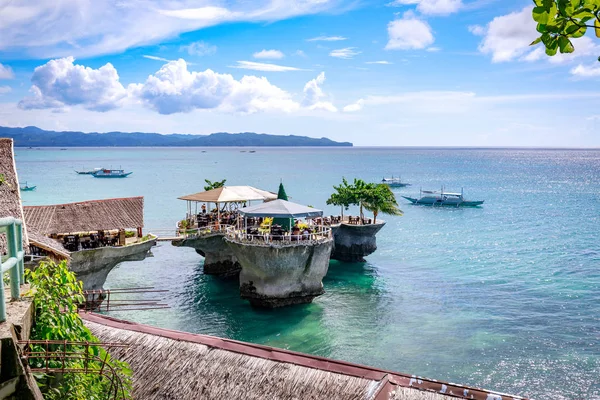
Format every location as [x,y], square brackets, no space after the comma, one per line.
[168,239]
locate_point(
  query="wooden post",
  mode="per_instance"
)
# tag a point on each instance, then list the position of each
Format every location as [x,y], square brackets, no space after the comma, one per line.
[122,240]
[139,232]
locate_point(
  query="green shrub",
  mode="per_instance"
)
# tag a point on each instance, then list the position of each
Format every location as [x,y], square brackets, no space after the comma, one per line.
[56,293]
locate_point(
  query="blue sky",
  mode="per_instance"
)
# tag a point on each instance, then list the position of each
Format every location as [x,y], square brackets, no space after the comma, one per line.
[395,72]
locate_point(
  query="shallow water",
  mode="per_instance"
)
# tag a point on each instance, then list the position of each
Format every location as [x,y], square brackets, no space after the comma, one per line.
[506,296]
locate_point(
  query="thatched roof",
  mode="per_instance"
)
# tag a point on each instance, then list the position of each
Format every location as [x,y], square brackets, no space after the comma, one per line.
[86,216]
[170,364]
[10,195]
[50,245]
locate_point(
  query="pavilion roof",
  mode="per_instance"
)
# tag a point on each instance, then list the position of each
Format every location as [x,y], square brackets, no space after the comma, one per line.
[230,194]
[86,216]
[281,209]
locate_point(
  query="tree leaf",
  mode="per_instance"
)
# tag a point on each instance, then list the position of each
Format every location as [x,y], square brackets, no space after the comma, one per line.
[551,51]
[540,15]
[597,25]
[552,46]
[546,39]
[565,45]
[536,41]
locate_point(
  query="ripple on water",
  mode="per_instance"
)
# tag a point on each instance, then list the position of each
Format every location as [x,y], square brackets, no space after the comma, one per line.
[506,296]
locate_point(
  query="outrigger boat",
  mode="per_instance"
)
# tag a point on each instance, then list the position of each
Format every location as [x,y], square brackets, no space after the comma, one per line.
[111,173]
[442,198]
[394,182]
[27,188]
[88,172]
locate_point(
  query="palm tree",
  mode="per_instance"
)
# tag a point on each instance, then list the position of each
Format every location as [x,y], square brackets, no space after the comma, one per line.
[380,199]
[344,196]
[214,185]
[361,191]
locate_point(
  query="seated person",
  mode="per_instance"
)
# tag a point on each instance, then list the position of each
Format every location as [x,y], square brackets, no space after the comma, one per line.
[306,234]
[295,233]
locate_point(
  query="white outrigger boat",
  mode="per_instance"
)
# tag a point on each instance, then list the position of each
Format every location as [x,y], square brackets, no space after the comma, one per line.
[442,198]
[394,182]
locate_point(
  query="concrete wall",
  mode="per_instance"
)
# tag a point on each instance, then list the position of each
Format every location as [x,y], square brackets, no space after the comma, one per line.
[218,258]
[279,275]
[353,242]
[93,265]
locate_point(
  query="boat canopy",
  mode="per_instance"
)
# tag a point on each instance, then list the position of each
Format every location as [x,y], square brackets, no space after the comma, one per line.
[281,209]
[230,194]
[441,193]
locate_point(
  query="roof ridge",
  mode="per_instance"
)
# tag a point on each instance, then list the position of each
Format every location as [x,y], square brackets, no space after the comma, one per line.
[85,201]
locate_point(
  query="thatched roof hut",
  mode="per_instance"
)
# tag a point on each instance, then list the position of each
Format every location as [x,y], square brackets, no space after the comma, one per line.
[10,195]
[86,216]
[170,364]
[54,249]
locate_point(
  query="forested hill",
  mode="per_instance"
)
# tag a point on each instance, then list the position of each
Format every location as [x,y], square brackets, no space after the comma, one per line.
[32,136]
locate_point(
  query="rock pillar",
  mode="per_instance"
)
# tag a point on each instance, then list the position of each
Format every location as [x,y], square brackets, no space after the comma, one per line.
[277,275]
[218,257]
[353,242]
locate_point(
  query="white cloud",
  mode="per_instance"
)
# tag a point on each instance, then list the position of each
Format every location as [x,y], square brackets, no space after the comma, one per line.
[433,49]
[326,39]
[508,37]
[355,106]
[207,13]
[57,28]
[398,3]
[582,71]
[345,53]
[272,54]
[314,95]
[439,7]
[199,49]
[175,89]
[431,7]
[382,62]
[6,72]
[156,58]
[5,89]
[300,53]
[409,32]
[477,30]
[458,101]
[256,66]
[60,83]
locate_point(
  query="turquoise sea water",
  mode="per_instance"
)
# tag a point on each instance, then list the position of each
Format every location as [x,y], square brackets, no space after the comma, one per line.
[505,297]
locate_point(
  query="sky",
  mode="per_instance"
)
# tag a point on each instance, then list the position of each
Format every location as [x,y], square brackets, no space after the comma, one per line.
[375,73]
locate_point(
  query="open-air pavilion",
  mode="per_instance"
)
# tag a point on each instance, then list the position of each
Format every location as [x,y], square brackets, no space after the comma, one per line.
[226,199]
[280,210]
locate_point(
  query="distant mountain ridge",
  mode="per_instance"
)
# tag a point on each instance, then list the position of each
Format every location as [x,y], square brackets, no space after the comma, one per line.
[32,136]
